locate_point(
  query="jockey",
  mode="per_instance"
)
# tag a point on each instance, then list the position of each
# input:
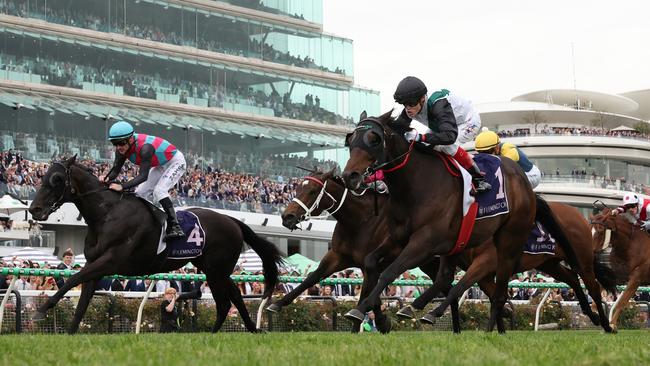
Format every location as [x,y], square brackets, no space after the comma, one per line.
[161,166]
[489,142]
[638,208]
[442,120]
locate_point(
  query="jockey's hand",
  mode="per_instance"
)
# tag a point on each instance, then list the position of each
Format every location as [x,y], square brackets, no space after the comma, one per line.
[412,135]
[645,225]
[116,187]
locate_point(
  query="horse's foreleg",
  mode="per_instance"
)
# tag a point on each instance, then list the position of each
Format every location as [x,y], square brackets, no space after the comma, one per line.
[92,272]
[331,263]
[589,278]
[370,277]
[481,266]
[631,287]
[411,256]
[87,291]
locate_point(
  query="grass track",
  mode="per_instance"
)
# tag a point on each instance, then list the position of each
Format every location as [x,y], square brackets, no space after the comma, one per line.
[332,349]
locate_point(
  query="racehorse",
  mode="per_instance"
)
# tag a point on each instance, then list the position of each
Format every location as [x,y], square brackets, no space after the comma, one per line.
[629,258]
[355,241]
[480,265]
[425,208]
[123,238]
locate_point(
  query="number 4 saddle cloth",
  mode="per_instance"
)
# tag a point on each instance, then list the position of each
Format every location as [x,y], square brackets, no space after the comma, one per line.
[191,246]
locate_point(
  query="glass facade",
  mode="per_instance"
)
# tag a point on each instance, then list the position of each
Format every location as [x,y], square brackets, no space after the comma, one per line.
[310,10]
[35,58]
[183,25]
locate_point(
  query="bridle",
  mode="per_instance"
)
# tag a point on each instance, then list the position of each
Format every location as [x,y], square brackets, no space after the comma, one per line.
[67,187]
[323,191]
[378,128]
[608,231]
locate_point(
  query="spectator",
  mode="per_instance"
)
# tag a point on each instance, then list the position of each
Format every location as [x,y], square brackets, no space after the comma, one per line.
[68,257]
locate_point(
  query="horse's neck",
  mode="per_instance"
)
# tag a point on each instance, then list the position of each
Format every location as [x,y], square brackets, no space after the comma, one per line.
[95,201]
[409,183]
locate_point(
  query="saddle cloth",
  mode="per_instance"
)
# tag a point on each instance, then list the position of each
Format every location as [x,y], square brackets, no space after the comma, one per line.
[495,201]
[539,241]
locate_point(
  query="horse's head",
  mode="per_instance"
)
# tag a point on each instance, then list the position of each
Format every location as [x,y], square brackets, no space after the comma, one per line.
[312,198]
[604,223]
[54,191]
[372,144]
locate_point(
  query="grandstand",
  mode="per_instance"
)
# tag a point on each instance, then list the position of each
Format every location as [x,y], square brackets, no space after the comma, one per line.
[246,89]
[588,145]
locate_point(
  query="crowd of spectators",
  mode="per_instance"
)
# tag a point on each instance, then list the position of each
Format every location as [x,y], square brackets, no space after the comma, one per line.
[237,43]
[574,131]
[74,75]
[211,186]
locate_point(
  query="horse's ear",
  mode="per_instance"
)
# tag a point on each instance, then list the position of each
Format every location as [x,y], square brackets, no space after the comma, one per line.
[71,160]
[363,116]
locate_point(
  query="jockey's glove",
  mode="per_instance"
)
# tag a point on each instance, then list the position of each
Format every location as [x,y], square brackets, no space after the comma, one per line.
[413,135]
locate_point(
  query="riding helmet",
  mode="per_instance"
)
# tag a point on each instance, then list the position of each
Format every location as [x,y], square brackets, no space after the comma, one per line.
[486,140]
[630,199]
[409,91]
[120,130]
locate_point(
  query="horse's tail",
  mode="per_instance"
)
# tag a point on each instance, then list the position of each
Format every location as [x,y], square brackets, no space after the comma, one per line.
[604,274]
[548,220]
[269,253]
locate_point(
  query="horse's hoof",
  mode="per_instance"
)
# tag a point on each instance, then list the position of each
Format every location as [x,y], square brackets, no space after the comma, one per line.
[612,329]
[355,314]
[39,316]
[406,312]
[274,308]
[428,318]
[259,331]
[385,326]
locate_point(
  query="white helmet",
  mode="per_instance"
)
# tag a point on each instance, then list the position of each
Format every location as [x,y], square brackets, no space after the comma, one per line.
[630,199]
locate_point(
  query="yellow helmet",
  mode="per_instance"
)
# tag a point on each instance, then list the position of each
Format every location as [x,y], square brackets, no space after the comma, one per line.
[486,140]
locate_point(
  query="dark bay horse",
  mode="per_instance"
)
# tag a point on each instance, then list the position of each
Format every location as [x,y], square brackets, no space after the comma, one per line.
[629,258]
[123,236]
[480,264]
[425,208]
[355,241]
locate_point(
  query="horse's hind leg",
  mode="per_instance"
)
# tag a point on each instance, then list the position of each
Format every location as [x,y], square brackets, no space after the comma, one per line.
[219,288]
[589,278]
[563,274]
[87,291]
[235,296]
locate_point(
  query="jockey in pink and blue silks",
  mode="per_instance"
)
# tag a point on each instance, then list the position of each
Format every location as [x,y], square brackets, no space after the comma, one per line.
[161,166]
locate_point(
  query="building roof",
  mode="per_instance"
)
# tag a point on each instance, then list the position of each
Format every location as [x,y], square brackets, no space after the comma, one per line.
[518,112]
[642,97]
[597,101]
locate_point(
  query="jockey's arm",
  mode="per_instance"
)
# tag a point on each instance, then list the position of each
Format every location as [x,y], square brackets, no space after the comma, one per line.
[441,118]
[510,152]
[146,154]
[117,167]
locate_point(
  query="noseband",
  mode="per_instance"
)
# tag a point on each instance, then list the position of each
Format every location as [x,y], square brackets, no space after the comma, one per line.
[308,210]
[68,186]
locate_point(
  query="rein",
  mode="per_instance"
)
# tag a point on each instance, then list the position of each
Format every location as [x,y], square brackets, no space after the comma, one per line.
[406,156]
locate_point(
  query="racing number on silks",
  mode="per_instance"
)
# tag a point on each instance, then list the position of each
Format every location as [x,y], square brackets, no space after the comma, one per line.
[499,176]
[195,236]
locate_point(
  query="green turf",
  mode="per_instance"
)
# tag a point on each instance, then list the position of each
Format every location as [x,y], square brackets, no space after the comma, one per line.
[332,349]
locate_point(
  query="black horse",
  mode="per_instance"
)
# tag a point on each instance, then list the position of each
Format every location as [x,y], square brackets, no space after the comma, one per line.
[123,237]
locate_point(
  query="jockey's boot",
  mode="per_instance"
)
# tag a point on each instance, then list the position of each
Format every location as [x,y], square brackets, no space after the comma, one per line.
[478,179]
[174,230]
